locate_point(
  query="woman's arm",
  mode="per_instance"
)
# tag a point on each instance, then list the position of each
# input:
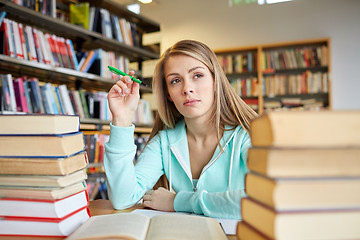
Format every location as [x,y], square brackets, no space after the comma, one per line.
[128,183]
[218,204]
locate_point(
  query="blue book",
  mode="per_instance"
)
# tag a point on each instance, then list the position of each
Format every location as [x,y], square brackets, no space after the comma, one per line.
[61,105]
[2,16]
[91,61]
[73,54]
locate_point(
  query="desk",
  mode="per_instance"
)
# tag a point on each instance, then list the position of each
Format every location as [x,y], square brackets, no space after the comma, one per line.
[97,207]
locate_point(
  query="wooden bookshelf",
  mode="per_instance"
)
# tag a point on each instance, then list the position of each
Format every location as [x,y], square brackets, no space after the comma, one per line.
[83,40]
[300,64]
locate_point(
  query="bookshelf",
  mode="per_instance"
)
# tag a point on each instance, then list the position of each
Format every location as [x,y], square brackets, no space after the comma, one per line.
[95,127]
[286,75]
[82,39]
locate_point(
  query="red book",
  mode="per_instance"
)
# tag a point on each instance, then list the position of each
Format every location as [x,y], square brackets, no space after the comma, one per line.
[42,208]
[50,227]
[37,46]
[8,38]
[56,49]
[23,42]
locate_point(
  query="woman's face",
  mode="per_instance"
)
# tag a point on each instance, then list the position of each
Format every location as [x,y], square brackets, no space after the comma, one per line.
[190,86]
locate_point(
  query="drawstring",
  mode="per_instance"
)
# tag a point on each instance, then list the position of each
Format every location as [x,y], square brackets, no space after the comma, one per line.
[170,182]
[231,163]
[231,160]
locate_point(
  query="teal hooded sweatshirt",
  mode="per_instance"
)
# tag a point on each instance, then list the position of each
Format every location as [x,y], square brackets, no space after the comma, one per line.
[217,192]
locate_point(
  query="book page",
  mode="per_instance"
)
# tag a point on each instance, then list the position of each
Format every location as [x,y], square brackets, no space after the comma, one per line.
[113,226]
[229,225]
[174,226]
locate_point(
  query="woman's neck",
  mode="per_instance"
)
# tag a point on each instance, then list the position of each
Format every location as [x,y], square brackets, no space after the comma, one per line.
[200,131]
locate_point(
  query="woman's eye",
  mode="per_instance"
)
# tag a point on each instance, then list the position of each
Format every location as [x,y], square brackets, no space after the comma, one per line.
[198,75]
[175,80]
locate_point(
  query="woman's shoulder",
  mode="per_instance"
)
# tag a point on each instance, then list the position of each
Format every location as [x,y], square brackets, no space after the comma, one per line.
[238,131]
[173,133]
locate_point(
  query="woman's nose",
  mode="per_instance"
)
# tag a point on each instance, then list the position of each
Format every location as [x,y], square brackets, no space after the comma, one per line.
[188,88]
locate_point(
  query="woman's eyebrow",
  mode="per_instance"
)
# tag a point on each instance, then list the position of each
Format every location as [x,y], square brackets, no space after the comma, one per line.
[190,70]
[194,68]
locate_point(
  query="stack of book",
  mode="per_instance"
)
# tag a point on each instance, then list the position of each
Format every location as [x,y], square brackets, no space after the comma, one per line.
[42,175]
[304,177]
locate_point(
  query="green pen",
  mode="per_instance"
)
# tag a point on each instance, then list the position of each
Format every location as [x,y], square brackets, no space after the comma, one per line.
[118,72]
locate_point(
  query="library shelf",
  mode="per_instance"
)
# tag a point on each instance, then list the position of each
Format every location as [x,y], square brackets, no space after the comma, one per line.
[288,66]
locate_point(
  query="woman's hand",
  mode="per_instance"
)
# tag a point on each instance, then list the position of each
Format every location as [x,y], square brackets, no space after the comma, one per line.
[123,99]
[160,199]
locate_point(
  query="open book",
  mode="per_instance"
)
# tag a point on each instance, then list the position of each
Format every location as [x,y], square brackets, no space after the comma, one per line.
[138,226]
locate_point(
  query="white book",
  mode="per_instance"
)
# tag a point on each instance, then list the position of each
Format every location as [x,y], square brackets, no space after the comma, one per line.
[105,23]
[30,38]
[78,103]
[11,91]
[117,29]
[12,51]
[91,18]
[64,93]
[17,40]
[44,49]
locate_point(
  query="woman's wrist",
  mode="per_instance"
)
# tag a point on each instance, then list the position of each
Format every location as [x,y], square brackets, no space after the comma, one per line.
[121,122]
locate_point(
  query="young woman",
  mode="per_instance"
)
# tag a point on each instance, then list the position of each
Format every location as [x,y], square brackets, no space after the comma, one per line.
[199,141]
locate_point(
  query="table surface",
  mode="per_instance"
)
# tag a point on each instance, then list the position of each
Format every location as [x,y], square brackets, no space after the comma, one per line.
[97,207]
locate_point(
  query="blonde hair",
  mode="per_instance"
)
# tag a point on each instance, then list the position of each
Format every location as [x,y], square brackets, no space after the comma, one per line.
[229,108]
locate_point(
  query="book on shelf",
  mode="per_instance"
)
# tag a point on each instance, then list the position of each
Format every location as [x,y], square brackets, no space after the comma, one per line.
[19,90]
[284,194]
[306,129]
[2,16]
[48,193]
[38,124]
[8,92]
[106,28]
[64,94]
[35,95]
[61,227]
[44,7]
[304,162]
[79,14]
[41,208]
[29,43]
[72,54]
[43,180]
[43,165]
[60,145]
[321,224]
[90,58]
[139,226]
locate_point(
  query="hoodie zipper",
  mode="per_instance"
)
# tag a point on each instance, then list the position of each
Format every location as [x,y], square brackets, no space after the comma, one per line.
[179,159]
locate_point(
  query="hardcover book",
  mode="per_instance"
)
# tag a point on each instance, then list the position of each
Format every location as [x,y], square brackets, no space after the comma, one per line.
[304,193]
[48,193]
[304,162]
[139,226]
[43,165]
[43,180]
[43,209]
[62,227]
[331,224]
[39,124]
[306,129]
[61,145]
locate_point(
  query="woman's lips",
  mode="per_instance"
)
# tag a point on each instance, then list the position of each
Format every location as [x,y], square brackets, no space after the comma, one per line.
[191,102]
